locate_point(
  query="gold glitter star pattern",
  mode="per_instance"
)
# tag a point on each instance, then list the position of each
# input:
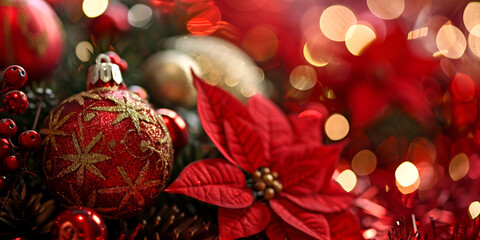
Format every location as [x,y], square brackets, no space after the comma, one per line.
[127,109]
[133,189]
[80,97]
[83,160]
[54,123]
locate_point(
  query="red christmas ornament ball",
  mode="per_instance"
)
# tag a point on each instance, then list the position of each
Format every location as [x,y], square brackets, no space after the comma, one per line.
[108,150]
[176,127]
[79,223]
[8,128]
[33,37]
[14,77]
[15,102]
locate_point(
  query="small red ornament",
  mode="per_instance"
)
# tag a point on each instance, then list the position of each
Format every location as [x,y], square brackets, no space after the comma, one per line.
[118,60]
[140,91]
[30,140]
[8,128]
[3,183]
[15,102]
[14,77]
[4,148]
[79,223]
[106,149]
[112,23]
[176,127]
[32,37]
[12,163]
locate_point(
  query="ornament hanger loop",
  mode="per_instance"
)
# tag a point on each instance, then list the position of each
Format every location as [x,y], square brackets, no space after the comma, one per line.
[102,58]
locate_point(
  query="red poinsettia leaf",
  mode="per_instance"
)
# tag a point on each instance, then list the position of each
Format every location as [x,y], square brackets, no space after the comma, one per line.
[244,143]
[309,171]
[367,104]
[238,223]
[272,124]
[212,105]
[332,198]
[344,226]
[213,181]
[311,223]
[279,229]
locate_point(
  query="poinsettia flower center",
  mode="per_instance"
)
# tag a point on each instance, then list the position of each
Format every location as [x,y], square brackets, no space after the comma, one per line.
[266,183]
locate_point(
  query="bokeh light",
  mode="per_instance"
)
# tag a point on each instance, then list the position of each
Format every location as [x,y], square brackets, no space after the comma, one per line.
[474,209]
[421,150]
[358,38]
[417,33]
[364,162]
[94,8]
[463,87]
[84,50]
[140,15]
[336,127]
[406,174]
[335,22]
[471,18]
[260,43]
[347,179]
[386,9]
[303,77]
[428,175]
[370,233]
[316,54]
[474,43]
[450,41]
[459,166]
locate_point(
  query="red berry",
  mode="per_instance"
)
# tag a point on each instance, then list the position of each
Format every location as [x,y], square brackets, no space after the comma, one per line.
[8,128]
[4,148]
[3,183]
[14,77]
[15,102]
[114,58]
[12,164]
[30,140]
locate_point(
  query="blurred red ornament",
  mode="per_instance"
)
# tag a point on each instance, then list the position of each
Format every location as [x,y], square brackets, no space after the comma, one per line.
[140,91]
[14,77]
[8,128]
[106,149]
[30,140]
[33,37]
[122,64]
[12,164]
[112,23]
[15,102]
[79,223]
[176,127]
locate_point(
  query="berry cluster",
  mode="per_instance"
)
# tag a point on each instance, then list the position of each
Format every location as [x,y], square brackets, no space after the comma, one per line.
[12,157]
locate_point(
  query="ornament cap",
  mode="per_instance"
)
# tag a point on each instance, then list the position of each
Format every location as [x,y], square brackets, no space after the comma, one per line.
[105,71]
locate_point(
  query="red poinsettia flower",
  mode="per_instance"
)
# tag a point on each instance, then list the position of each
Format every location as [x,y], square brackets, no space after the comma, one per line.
[277,177]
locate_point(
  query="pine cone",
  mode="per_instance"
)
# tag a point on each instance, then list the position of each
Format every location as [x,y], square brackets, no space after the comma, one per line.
[25,215]
[168,222]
